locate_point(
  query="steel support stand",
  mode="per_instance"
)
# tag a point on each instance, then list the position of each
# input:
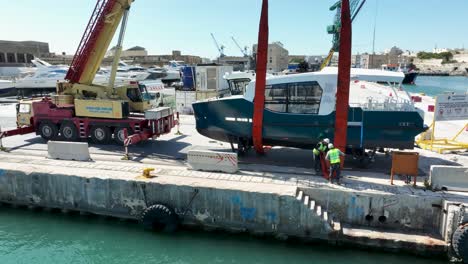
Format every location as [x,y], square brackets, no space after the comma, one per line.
[126,143]
[178,125]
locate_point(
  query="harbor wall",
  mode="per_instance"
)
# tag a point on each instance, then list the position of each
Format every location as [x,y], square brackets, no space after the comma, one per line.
[231,208]
[381,210]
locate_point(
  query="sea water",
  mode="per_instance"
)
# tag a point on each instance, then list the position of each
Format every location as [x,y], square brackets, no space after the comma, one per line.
[434,85]
[39,237]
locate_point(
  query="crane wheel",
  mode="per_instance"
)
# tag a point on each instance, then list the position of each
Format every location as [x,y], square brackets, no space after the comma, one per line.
[160,218]
[460,242]
[48,130]
[119,135]
[100,135]
[68,131]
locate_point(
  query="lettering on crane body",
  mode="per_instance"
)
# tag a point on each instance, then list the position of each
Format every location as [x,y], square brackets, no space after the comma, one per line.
[99,109]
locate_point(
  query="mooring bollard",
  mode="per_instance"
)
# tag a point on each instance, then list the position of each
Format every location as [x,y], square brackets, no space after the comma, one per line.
[178,125]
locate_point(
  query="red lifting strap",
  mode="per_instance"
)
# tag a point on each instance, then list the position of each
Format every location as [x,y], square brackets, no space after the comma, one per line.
[259,99]
[344,74]
[324,166]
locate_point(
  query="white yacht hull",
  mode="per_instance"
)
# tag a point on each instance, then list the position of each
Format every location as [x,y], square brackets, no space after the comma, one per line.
[6,87]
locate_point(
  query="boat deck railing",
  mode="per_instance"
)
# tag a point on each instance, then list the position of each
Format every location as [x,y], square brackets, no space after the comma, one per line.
[385,106]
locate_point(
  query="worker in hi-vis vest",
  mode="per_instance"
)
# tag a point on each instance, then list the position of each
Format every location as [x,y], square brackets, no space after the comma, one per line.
[333,155]
[320,148]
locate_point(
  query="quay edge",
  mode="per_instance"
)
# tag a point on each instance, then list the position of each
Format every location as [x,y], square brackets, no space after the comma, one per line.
[211,201]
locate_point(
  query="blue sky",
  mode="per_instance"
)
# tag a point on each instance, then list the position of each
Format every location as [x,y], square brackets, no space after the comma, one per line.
[164,25]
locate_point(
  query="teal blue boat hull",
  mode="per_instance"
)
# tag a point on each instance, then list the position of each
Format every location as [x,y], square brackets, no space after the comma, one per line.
[230,119]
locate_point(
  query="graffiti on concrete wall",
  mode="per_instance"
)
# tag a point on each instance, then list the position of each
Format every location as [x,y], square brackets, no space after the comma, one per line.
[355,209]
[249,213]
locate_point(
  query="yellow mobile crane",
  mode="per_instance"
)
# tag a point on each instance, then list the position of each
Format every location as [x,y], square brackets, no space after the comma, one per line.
[82,109]
[96,100]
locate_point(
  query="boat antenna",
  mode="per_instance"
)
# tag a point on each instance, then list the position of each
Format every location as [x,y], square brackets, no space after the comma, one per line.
[373,35]
[375,25]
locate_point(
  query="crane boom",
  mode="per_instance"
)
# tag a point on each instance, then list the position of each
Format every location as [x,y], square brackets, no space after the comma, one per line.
[220,48]
[243,51]
[96,40]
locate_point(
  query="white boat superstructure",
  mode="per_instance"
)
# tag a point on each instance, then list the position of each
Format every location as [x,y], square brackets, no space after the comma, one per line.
[367,91]
[165,74]
[238,81]
[6,86]
[371,75]
[45,78]
[125,70]
[175,65]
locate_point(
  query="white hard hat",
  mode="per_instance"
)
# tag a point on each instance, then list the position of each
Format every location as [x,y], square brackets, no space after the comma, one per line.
[326,140]
[330,146]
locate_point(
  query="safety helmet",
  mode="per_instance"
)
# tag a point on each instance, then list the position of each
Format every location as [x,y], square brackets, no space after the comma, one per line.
[330,146]
[326,140]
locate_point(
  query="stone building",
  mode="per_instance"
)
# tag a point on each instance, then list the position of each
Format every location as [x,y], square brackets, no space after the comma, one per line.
[161,60]
[238,63]
[139,55]
[136,51]
[278,57]
[21,52]
[393,56]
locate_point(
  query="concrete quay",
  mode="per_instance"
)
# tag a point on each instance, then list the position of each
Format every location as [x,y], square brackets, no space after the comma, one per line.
[365,211]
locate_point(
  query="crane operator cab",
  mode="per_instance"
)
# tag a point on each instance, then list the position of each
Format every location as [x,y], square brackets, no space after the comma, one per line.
[137,96]
[24,113]
[142,101]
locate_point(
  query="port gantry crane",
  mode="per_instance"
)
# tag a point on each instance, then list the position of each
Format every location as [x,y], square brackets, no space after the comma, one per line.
[220,48]
[244,50]
[82,109]
[355,7]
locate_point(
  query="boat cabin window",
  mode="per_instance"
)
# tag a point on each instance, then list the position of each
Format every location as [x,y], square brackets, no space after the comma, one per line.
[238,86]
[296,98]
[276,97]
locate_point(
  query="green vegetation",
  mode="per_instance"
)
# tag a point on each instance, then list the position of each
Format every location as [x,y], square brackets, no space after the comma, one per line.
[449,61]
[445,56]
[296,60]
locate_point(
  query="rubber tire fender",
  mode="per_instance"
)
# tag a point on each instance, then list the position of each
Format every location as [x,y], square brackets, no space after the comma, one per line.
[53,127]
[460,242]
[160,218]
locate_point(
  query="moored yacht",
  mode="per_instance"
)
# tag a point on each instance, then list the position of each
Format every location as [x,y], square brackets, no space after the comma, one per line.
[45,78]
[410,73]
[6,87]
